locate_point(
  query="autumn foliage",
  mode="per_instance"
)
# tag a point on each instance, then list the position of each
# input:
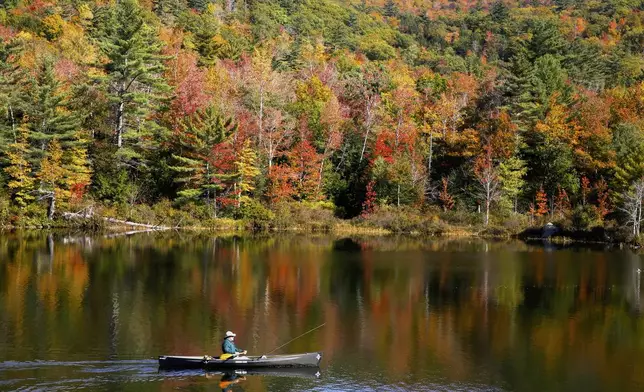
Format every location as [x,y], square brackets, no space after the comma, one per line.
[213,104]
[541,203]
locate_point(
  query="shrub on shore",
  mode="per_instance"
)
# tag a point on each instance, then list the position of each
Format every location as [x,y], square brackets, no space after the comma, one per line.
[403,220]
[308,216]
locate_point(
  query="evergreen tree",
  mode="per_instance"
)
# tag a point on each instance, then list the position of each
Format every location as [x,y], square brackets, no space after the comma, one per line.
[391,9]
[110,181]
[587,65]
[49,117]
[546,80]
[545,38]
[205,156]
[12,94]
[198,5]
[499,11]
[515,76]
[205,28]
[511,173]
[133,81]
[629,170]
[168,10]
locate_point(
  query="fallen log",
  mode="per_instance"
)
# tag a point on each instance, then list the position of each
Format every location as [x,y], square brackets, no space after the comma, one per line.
[134,224]
[86,214]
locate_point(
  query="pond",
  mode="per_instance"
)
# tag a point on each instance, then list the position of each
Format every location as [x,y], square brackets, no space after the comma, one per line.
[94,312]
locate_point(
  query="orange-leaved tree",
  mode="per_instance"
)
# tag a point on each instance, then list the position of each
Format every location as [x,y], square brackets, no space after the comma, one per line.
[542,203]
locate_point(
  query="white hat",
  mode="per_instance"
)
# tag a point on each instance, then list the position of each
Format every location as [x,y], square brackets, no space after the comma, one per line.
[229,334]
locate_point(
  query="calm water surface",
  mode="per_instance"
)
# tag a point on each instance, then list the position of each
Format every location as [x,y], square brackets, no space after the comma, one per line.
[401,314]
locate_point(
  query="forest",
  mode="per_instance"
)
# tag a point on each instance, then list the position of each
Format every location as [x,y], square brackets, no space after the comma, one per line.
[396,113]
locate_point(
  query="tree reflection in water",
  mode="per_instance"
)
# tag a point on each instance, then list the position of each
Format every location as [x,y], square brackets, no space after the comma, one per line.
[498,313]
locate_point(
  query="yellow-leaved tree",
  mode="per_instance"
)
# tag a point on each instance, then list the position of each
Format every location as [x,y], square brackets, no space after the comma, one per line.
[78,173]
[20,181]
[51,177]
[63,176]
[247,171]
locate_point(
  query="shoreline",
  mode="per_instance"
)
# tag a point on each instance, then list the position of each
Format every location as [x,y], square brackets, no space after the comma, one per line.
[346,228]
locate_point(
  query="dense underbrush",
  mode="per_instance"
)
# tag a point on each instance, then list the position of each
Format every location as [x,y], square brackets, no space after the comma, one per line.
[581,225]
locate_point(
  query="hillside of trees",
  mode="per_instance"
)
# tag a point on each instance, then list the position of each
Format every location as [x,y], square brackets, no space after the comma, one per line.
[525,110]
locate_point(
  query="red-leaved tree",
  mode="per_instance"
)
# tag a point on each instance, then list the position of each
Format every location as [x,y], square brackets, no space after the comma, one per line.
[280,183]
[603,203]
[585,189]
[369,203]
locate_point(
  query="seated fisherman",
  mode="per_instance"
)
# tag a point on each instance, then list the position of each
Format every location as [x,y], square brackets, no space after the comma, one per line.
[228,346]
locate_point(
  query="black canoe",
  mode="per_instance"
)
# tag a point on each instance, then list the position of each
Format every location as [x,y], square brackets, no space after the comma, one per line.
[298,372]
[241,362]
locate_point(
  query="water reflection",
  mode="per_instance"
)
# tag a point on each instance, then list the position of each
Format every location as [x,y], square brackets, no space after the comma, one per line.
[400,313]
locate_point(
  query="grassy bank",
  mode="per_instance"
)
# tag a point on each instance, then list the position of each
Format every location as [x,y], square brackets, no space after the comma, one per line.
[308,218]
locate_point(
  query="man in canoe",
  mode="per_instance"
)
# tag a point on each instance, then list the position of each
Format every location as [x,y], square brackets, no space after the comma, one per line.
[229,348]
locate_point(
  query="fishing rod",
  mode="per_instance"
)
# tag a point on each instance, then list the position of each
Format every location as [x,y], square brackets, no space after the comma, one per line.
[309,331]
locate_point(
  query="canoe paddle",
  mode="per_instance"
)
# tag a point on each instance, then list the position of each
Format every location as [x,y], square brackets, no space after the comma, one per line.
[277,348]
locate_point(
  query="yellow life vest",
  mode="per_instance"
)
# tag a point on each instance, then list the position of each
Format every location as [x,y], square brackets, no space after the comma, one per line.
[225,356]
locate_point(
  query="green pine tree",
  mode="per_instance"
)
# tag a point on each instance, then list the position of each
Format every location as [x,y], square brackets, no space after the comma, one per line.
[12,94]
[47,107]
[511,174]
[202,142]
[499,11]
[587,65]
[629,170]
[169,10]
[391,9]
[198,5]
[133,83]
[545,38]
[547,79]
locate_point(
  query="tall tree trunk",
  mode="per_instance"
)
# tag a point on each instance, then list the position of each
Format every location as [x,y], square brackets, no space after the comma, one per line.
[261,115]
[369,117]
[119,124]
[270,152]
[639,211]
[208,183]
[320,174]
[429,160]
[364,144]
[238,195]
[398,196]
